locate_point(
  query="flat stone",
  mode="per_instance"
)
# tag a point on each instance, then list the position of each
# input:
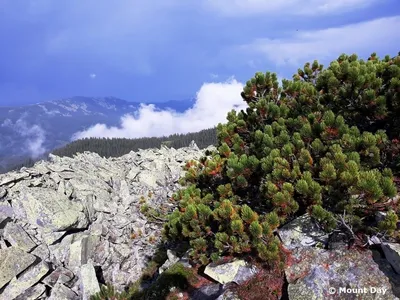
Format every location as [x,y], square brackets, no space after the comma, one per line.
[60,274]
[301,232]
[6,211]
[147,177]
[41,251]
[50,237]
[32,293]
[245,273]
[17,237]
[81,249]
[59,252]
[12,262]
[312,272]
[224,273]
[13,177]
[60,291]
[46,208]
[18,286]
[88,281]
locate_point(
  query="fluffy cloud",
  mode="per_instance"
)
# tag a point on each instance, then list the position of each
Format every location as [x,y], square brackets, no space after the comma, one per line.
[34,135]
[213,102]
[379,35]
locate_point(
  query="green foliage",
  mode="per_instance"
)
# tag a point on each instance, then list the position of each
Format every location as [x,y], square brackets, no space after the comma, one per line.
[305,146]
[389,224]
[177,276]
[108,292]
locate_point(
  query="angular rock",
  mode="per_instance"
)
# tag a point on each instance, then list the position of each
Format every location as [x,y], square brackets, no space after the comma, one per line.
[3,192]
[17,237]
[226,272]
[301,232]
[59,252]
[12,177]
[147,177]
[312,272]
[6,211]
[46,208]
[18,286]
[392,254]
[61,275]
[50,237]
[172,259]
[207,292]
[12,262]
[193,146]
[89,284]
[32,293]
[60,291]
[41,251]
[76,252]
[245,273]
[388,270]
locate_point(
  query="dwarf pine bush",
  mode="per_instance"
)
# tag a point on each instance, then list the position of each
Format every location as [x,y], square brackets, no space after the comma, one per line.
[319,143]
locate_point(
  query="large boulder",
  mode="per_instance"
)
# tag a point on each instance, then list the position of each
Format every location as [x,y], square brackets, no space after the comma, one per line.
[316,270]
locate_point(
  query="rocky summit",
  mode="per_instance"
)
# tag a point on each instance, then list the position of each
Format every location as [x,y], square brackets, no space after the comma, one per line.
[66,222]
[69,224]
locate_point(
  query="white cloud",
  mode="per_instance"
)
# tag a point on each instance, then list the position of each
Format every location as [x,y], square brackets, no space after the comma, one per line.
[243,8]
[34,134]
[49,112]
[213,102]
[92,75]
[379,35]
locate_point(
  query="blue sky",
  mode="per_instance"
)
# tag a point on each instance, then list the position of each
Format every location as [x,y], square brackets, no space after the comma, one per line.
[159,50]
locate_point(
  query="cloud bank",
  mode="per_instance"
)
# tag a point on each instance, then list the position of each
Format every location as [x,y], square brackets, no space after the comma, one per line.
[378,35]
[34,136]
[213,102]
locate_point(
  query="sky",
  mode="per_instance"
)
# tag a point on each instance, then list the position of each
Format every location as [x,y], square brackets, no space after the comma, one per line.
[159,50]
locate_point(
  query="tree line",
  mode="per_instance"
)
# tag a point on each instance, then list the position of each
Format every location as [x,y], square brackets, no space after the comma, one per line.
[116,147]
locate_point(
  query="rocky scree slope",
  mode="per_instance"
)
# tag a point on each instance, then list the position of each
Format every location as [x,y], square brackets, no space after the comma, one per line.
[69,221]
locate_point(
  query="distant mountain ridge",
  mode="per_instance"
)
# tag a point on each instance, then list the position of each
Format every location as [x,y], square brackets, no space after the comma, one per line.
[27,130]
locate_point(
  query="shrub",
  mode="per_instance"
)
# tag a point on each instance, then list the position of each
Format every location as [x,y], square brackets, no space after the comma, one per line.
[302,147]
[108,292]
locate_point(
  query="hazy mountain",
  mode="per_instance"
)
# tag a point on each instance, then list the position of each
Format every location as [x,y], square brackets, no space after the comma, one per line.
[32,129]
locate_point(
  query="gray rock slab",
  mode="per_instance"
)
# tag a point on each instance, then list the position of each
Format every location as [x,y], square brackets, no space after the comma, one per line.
[320,274]
[60,291]
[18,285]
[46,208]
[17,237]
[12,262]
[88,281]
[33,292]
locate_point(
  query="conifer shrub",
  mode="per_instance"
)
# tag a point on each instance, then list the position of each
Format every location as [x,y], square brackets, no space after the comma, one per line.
[305,146]
[108,292]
